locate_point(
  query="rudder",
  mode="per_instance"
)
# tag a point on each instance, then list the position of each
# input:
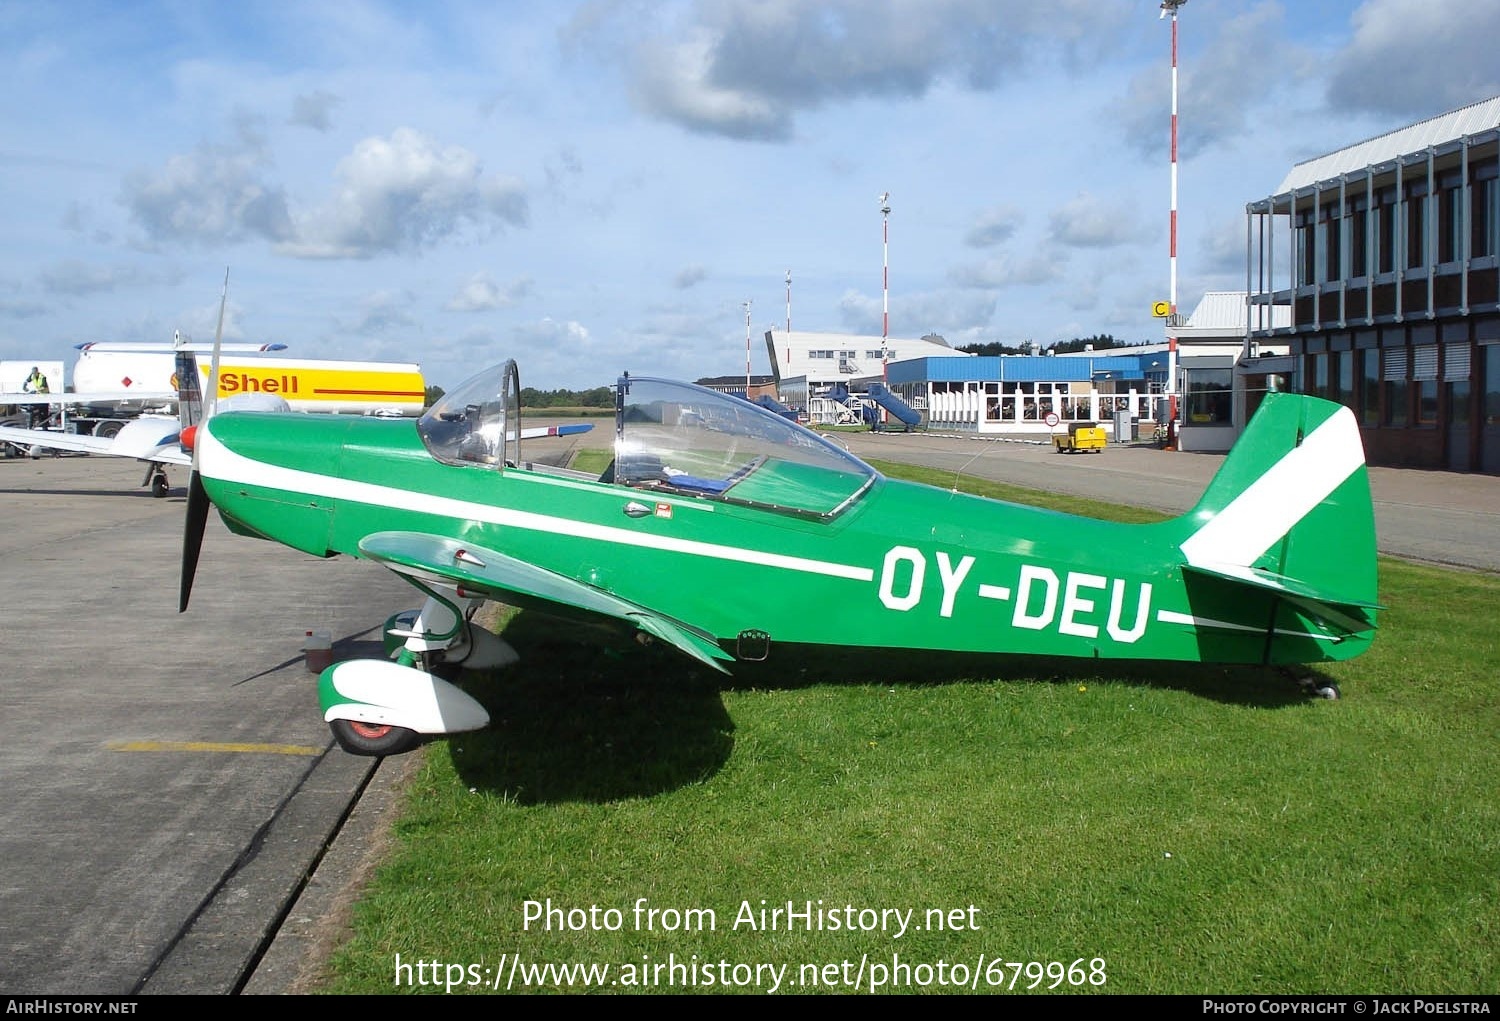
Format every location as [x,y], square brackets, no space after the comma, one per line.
[1290,511]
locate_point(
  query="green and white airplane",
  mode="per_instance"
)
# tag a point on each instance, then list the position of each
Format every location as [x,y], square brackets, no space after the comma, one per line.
[731,533]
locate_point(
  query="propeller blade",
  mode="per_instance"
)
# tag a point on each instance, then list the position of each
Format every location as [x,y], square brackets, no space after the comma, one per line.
[213,371]
[198,501]
[192,537]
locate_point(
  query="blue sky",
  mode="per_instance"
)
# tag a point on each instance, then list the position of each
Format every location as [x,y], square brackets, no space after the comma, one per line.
[601,186]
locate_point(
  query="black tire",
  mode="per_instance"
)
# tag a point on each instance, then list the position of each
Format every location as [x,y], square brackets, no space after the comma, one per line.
[108,430]
[158,486]
[358,738]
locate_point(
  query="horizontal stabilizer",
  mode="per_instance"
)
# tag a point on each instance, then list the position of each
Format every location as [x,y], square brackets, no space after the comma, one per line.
[1339,609]
[449,561]
[538,432]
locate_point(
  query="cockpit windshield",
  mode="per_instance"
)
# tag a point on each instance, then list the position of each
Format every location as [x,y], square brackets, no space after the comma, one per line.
[688,439]
[479,423]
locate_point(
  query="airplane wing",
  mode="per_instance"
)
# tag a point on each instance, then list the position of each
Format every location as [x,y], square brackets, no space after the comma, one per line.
[93,397]
[147,439]
[450,562]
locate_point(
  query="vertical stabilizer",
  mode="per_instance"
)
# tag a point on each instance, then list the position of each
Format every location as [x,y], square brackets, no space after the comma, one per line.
[189,390]
[1290,512]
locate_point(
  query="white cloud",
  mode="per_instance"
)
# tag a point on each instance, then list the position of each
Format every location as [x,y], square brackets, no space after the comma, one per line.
[314,110]
[479,293]
[1247,60]
[745,68]
[212,195]
[994,225]
[689,276]
[1411,59]
[1087,222]
[76,277]
[404,193]
[1222,248]
[1010,270]
[383,312]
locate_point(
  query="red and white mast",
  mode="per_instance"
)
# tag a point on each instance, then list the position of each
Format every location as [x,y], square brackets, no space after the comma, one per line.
[885,284]
[789,301]
[1169,7]
[747,350]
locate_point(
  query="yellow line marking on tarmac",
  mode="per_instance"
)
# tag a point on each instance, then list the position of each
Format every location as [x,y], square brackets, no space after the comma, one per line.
[214,746]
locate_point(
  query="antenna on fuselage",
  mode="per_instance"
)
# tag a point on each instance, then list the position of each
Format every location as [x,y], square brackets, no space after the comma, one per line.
[964,467]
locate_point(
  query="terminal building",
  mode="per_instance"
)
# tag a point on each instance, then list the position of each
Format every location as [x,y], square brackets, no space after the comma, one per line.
[1378,267]
[961,392]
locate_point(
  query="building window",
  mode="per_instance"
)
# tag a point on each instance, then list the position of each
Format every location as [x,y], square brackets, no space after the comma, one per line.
[1307,252]
[1317,375]
[1208,398]
[1424,374]
[1330,230]
[1369,393]
[1416,224]
[1484,237]
[1385,231]
[1450,218]
[1456,376]
[1345,376]
[1393,371]
[1491,354]
[1359,254]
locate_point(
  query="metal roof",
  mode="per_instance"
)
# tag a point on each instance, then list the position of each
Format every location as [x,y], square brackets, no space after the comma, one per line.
[1447,127]
[1223,313]
[1024,368]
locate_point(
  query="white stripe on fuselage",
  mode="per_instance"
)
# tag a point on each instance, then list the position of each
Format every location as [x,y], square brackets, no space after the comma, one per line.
[1273,504]
[231,466]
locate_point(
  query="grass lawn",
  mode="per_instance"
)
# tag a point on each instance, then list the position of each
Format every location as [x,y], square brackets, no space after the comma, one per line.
[1135,828]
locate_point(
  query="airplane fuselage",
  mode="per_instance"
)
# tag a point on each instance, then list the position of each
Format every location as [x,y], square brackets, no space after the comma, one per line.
[902,566]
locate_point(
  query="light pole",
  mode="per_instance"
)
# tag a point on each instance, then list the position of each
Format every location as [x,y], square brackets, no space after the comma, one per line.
[747,350]
[789,301]
[885,285]
[1169,7]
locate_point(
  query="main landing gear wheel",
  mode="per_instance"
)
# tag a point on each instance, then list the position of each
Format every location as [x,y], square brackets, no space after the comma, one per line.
[158,485]
[1317,687]
[359,738]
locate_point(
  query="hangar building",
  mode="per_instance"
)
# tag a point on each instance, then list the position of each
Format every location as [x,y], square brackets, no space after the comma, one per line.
[1384,258]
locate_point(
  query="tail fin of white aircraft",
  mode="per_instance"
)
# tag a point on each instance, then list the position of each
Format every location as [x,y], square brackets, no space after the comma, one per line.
[189,390]
[1290,512]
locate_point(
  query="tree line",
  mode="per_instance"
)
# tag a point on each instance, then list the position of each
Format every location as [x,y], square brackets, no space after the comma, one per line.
[1099,342]
[598,397]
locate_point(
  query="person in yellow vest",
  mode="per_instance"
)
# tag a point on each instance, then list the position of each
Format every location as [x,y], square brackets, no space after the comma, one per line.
[36,383]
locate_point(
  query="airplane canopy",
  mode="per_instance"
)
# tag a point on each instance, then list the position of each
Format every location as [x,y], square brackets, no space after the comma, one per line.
[692,440]
[479,422]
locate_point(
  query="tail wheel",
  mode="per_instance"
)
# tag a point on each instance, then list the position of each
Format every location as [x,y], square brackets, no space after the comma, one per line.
[360,738]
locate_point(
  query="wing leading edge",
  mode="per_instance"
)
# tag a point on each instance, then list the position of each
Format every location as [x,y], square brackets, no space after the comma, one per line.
[449,561]
[145,443]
